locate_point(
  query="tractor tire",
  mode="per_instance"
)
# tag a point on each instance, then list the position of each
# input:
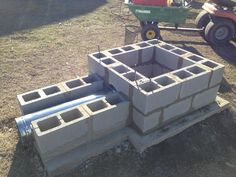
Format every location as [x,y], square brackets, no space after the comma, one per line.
[149,32]
[202,20]
[219,31]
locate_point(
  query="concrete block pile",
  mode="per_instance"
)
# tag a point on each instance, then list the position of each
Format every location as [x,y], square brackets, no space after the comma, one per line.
[154,84]
[162,82]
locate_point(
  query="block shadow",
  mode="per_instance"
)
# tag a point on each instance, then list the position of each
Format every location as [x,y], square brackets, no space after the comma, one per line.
[26,14]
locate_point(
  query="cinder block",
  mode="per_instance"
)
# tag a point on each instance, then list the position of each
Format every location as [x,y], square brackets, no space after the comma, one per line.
[84,86]
[129,58]
[147,122]
[146,51]
[58,133]
[158,93]
[196,58]
[95,65]
[217,72]
[108,115]
[204,98]
[194,79]
[176,109]
[42,98]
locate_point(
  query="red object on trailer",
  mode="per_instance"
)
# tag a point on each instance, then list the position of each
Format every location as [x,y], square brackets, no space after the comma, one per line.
[163,3]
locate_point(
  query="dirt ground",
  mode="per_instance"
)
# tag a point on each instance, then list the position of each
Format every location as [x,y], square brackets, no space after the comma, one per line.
[46,42]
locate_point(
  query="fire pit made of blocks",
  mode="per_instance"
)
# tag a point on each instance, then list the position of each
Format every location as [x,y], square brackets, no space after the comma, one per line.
[162,81]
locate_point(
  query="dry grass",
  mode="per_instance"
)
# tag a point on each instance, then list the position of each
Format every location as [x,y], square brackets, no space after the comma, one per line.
[43,51]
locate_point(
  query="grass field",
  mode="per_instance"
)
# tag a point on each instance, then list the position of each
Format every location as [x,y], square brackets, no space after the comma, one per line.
[47,41]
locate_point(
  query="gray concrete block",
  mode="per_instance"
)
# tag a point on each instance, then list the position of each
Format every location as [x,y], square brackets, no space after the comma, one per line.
[217,72]
[204,98]
[58,133]
[146,122]
[160,92]
[43,98]
[95,64]
[84,86]
[108,115]
[177,109]
[129,58]
[194,79]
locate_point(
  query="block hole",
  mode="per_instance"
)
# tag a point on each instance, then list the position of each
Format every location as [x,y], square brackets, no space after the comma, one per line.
[98,105]
[196,70]
[142,44]
[195,58]
[164,81]
[115,51]
[99,55]
[149,87]
[153,42]
[127,48]
[210,64]
[108,61]
[48,123]
[183,74]
[31,96]
[167,47]
[71,115]
[178,51]
[114,99]
[121,69]
[74,83]
[132,76]
[51,90]
[91,78]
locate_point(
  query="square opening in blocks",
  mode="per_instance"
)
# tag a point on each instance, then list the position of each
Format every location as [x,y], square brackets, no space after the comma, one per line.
[178,51]
[183,74]
[132,76]
[149,86]
[164,81]
[31,96]
[127,48]
[91,78]
[143,44]
[121,69]
[153,42]
[51,90]
[167,47]
[98,105]
[196,70]
[48,123]
[74,83]
[114,99]
[210,64]
[195,58]
[108,61]
[99,55]
[71,115]
[115,51]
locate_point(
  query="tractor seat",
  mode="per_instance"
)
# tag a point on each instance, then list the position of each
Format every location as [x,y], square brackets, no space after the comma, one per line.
[225,3]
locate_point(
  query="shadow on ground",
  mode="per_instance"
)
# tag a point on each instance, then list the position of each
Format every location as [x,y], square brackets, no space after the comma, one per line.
[26,14]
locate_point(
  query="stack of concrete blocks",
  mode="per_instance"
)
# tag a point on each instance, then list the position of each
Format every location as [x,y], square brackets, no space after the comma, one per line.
[162,82]
[49,96]
[64,131]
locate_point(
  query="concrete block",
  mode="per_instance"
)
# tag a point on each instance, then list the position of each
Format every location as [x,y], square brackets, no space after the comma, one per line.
[84,86]
[43,98]
[204,98]
[158,93]
[147,122]
[61,132]
[95,65]
[146,51]
[108,115]
[129,58]
[196,58]
[217,72]
[194,79]
[176,109]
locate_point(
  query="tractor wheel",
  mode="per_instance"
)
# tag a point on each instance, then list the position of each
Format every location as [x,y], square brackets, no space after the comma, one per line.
[219,31]
[149,32]
[202,20]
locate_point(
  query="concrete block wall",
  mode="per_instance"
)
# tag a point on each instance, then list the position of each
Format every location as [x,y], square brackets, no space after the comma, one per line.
[159,79]
[68,129]
[53,95]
